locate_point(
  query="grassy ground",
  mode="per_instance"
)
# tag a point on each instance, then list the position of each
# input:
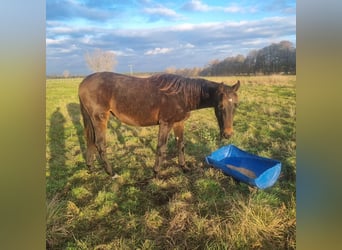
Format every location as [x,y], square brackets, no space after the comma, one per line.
[202,209]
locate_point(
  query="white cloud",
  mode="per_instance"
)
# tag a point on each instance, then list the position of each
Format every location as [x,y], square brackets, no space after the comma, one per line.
[196,5]
[183,27]
[233,9]
[161,11]
[70,49]
[255,42]
[158,51]
[188,46]
[115,52]
[50,41]
[87,39]
[129,50]
[190,27]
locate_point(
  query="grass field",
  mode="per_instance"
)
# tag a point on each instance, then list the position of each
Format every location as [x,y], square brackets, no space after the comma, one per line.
[201,209]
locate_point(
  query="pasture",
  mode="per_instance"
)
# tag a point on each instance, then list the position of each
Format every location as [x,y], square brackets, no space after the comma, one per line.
[200,209]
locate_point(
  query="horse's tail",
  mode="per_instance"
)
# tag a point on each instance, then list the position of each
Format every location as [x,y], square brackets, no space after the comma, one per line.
[88,124]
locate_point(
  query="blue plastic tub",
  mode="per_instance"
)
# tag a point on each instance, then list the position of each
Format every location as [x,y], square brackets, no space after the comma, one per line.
[246,167]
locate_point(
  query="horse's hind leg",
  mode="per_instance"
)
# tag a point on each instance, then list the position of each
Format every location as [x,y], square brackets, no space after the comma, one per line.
[164,130]
[100,127]
[90,154]
[178,129]
[91,148]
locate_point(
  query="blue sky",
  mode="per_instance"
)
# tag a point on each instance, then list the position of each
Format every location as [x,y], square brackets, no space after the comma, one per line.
[154,35]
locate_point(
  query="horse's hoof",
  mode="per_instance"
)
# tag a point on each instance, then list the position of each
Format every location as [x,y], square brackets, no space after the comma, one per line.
[109,171]
[155,174]
[185,168]
[115,176]
[155,171]
[91,169]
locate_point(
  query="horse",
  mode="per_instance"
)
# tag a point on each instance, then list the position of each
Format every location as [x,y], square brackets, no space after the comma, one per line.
[162,99]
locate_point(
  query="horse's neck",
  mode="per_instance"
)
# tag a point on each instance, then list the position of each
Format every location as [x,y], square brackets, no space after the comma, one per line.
[207,97]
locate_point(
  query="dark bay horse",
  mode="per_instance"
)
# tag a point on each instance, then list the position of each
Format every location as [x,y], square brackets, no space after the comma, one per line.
[165,100]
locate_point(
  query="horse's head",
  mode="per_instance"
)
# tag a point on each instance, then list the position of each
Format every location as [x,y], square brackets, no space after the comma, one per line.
[227,100]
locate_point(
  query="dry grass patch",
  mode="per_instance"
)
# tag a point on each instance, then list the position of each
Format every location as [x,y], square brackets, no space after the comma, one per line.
[56,226]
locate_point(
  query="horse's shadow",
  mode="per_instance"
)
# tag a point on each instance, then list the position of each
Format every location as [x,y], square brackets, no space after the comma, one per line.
[57,147]
[118,131]
[192,149]
[75,115]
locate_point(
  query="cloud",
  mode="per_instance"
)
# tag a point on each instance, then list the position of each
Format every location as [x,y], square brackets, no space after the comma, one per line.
[284,6]
[188,46]
[50,41]
[160,12]
[71,9]
[234,9]
[157,51]
[196,5]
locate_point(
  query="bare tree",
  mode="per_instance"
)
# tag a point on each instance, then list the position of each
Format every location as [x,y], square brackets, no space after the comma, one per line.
[171,70]
[101,60]
[66,73]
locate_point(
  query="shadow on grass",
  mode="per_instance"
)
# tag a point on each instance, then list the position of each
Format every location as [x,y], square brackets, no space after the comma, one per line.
[134,143]
[121,138]
[57,177]
[75,115]
[59,173]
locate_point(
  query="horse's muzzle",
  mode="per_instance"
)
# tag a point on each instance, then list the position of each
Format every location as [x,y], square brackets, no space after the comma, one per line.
[227,136]
[227,133]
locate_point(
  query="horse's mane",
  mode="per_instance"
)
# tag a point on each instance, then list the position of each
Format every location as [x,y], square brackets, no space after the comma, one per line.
[171,84]
[190,89]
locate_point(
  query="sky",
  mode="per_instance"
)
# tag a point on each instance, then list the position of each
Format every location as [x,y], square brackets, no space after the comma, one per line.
[151,35]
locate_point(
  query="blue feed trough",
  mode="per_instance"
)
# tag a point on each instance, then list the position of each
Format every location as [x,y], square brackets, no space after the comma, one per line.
[252,169]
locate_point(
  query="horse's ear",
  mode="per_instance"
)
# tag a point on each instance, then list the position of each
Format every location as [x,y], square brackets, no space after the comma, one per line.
[236,86]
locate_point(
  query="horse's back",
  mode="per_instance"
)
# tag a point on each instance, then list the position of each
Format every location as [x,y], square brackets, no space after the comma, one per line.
[105,85]
[133,100]
[99,79]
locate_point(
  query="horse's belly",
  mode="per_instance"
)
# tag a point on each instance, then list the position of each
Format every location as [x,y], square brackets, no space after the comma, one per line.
[141,118]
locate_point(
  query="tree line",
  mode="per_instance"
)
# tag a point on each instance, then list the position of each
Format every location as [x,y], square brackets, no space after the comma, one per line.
[277,58]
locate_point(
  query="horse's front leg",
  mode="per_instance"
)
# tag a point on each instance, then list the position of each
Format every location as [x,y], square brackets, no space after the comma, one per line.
[164,130]
[178,129]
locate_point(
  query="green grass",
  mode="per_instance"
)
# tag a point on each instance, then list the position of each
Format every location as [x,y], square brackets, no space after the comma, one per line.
[201,209]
